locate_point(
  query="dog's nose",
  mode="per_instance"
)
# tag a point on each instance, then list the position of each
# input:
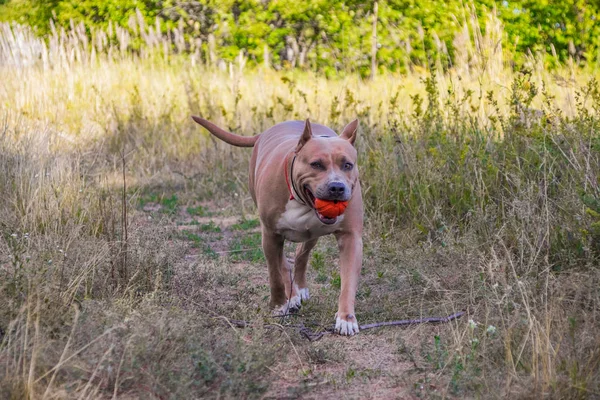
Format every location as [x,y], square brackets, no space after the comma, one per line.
[336,189]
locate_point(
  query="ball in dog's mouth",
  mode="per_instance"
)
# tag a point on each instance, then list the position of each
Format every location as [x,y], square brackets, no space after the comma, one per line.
[322,218]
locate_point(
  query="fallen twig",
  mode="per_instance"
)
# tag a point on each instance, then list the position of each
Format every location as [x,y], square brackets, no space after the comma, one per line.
[314,336]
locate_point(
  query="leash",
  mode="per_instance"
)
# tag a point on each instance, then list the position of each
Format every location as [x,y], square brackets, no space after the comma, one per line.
[316,335]
[292,188]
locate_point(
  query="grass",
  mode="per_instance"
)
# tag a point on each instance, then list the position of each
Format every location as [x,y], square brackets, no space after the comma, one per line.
[247,247]
[196,211]
[481,190]
[246,224]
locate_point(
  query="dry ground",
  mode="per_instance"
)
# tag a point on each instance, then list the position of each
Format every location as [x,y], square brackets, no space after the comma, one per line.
[387,362]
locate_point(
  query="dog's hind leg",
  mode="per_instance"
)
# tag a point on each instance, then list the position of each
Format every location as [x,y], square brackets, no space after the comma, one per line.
[272,245]
[291,287]
[300,265]
[284,296]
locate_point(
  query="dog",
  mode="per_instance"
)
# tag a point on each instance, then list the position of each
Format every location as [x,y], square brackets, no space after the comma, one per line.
[293,164]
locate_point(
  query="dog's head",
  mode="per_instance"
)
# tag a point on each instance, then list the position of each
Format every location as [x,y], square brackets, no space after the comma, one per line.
[325,166]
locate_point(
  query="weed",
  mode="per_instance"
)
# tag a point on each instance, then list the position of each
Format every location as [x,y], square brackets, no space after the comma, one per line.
[210,227]
[336,280]
[198,211]
[246,224]
[317,262]
[149,198]
[247,247]
[193,237]
[199,242]
[169,204]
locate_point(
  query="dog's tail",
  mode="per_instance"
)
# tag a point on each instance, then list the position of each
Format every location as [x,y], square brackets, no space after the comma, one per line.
[227,137]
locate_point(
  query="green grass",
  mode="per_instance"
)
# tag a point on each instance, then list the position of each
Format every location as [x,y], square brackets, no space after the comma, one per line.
[247,247]
[193,237]
[318,264]
[210,227]
[168,202]
[246,224]
[201,241]
[198,211]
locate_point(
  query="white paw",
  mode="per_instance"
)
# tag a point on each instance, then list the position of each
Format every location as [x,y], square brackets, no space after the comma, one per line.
[295,302]
[293,305]
[303,293]
[346,328]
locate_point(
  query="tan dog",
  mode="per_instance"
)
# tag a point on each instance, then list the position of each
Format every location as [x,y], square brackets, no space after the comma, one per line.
[292,164]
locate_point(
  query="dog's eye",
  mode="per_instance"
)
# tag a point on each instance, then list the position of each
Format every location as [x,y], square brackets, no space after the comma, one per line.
[348,166]
[317,165]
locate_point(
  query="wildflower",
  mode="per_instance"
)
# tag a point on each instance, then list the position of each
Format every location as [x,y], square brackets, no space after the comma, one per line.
[491,329]
[472,324]
[14,235]
[474,341]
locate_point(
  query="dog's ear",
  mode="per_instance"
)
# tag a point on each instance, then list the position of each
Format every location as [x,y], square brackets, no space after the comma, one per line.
[306,135]
[349,132]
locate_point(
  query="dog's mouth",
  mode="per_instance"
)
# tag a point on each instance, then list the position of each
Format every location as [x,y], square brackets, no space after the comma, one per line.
[311,199]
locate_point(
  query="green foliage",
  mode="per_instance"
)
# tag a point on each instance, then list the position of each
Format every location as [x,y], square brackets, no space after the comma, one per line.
[336,36]
[592,204]
[92,13]
[454,173]
[101,13]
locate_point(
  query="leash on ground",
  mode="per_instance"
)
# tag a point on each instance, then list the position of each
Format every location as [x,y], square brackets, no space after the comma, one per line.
[316,335]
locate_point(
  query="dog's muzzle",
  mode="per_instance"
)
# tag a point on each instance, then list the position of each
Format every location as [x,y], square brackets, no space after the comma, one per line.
[332,191]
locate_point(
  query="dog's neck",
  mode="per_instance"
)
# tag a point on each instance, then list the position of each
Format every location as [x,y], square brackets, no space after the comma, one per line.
[288,171]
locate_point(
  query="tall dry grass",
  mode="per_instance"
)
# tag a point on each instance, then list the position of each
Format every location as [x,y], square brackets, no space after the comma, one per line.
[482,191]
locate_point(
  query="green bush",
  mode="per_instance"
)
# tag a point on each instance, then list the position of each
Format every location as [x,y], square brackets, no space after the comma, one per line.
[333,36]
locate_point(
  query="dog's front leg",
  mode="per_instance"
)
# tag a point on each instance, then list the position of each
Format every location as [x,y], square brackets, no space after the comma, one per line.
[351,246]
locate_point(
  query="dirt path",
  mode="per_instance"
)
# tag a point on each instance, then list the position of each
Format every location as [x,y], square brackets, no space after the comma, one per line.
[387,363]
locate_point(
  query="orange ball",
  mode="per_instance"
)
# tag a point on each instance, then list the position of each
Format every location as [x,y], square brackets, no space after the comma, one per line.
[330,208]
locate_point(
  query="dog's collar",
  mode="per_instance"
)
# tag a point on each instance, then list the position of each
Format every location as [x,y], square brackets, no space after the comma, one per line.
[288,179]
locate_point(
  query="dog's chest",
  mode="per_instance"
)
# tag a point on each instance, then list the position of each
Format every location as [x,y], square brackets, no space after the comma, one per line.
[299,223]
